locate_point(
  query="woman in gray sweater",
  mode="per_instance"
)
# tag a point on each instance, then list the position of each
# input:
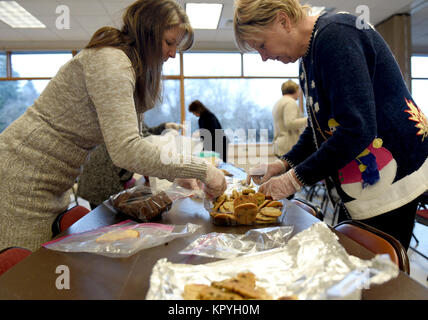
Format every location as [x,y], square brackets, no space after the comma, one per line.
[97,97]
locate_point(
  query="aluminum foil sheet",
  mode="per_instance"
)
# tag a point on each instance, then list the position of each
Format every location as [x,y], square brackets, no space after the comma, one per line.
[313,265]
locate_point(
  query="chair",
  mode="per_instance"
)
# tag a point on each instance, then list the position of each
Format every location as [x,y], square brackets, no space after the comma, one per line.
[65,219]
[11,256]
[422,211]
[422,218]
[376,241]
[309,207]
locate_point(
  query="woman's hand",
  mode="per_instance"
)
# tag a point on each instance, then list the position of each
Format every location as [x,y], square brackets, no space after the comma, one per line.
[264,172]
[174,126]
[282,186]
[215,183]
[191,184]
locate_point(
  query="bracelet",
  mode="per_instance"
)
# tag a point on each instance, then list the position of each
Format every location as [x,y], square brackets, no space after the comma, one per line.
[295,184]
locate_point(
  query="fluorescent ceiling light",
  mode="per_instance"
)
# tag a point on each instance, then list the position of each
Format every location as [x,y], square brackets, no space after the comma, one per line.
[317,10]
[204,15]
[17,17]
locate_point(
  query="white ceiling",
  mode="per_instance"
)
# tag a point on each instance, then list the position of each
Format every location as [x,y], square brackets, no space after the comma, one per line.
[86,16]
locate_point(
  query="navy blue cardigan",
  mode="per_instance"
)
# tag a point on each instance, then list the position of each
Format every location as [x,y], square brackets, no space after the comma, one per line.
[357,101]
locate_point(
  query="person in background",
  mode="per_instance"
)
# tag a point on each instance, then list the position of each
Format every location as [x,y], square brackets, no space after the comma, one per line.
[208,121]
[287,121]
[97,97]
[366,135]
[101,178]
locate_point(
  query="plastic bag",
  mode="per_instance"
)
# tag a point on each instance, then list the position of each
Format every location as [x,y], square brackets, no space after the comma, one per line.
[149,235]
[139,202]
[226,245]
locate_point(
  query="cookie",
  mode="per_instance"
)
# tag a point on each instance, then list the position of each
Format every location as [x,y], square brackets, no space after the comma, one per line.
[212,293]
[235,194]
[227,173]
[248,277]
[219,201]
[248,191]
[244,286]
[192,291]
[118,235]
[245,213]
[244,199]
[276,204]
[264,203]
[270,212]
[260,197]
[261,217]
[228,206]
[257,221]
[224,219]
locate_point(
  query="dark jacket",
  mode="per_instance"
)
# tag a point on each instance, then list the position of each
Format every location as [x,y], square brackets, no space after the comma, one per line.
[218,141]
[365,131]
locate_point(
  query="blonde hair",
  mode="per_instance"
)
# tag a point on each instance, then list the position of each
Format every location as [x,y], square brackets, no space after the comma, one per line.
[251,16]
[144,25]
[289,87]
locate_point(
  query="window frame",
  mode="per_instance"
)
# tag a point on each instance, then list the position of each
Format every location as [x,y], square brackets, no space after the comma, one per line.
[180,77]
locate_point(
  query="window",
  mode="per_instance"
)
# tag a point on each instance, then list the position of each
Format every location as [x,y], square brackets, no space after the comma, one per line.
[16,97]
[420,95]
[2,64]
[212,64]
[255,67]
[242,105]
[172,66]
[420,82]
[37,65]
[169,109]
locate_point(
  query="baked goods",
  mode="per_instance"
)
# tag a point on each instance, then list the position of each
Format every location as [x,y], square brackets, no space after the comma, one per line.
[118,235]
[142,204]
[245,209]
[241,287]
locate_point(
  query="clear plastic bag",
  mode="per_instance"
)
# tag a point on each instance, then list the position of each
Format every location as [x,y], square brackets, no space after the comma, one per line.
[139,202]
[226,245]
[142,236]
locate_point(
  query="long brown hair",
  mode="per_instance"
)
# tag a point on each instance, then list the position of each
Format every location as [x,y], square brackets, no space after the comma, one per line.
[144,24]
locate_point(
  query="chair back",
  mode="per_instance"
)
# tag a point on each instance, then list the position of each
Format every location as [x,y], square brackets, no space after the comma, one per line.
[11,256]
[376,241]
[309,207]
[65,219]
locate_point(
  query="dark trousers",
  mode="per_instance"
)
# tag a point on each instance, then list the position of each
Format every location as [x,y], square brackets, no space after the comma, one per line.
[398,223]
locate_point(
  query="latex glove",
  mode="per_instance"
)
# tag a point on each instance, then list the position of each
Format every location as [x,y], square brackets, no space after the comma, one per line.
[282,186]
[264,172]
[215,184]
[174,126]
[191,184]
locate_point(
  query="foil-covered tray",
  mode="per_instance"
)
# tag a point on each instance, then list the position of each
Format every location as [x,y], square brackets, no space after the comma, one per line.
[313,265]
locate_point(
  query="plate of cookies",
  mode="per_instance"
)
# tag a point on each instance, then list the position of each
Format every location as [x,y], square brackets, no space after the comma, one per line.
[245,207]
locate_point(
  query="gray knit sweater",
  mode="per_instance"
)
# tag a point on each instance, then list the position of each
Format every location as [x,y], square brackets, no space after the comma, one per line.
[88,102]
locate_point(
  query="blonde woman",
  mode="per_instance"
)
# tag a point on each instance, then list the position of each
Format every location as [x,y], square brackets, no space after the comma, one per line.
[97,97]
[287,121]
[366,135]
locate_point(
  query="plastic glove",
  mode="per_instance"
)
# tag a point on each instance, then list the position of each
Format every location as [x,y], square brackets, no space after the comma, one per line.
[191,184]
[174,126]
[282,186]
[264,172]
[215,183]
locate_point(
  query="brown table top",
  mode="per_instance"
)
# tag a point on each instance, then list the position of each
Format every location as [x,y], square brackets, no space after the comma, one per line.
[94,276]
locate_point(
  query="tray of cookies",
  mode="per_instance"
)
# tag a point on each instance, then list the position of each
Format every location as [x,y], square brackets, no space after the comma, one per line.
[245,207]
